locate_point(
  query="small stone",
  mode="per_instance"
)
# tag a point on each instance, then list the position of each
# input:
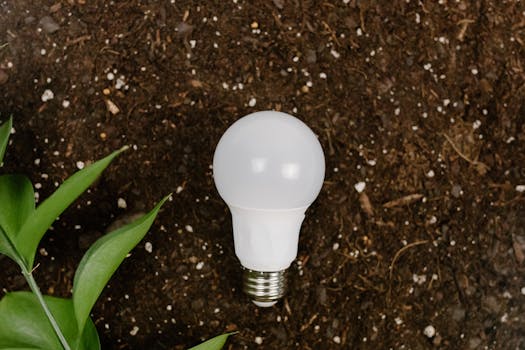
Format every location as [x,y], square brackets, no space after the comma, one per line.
[474,343]
[523,290]
[43,52]
[360,186]
[254,25]
[189,228]
[335,53]
[258,340]
[47,95]
[430,173]
[337,339]
[149,247]
[520,188]
[121,203]
[65,103]
[80,165]
[252,102]
[110,76]
[429,331]
[456,191]
[476,124]
[199,265]
[48,24]
[106,91]
[134,331]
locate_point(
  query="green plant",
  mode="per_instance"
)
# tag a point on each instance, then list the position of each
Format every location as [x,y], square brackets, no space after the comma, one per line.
[35,321]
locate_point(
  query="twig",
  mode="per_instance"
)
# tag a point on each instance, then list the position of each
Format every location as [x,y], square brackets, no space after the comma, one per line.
[396,257]
[473,162]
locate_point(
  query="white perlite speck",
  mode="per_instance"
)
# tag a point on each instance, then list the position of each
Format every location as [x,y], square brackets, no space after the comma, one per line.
[134,331]
[188,228]
[431,173]
[476,124]
[47,95]
[429,331]
[110,76]
[199,265]
[523,290]
[360,186]
[252,102]
[121,203]
[520,188]
[335,53]
[65,103]
[258,340]
[80,165]
[149,247]
[337,339]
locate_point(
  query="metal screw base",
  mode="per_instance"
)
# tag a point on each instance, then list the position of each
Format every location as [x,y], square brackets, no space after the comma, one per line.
[264,288]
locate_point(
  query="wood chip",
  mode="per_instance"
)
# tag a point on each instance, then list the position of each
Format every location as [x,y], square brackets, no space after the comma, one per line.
[411,198]
[518,244]
[112,107]
[366,205]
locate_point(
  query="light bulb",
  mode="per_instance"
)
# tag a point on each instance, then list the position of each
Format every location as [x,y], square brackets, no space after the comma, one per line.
[268,167]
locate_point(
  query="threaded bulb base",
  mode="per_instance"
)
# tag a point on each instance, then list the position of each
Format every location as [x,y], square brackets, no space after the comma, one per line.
[264,288]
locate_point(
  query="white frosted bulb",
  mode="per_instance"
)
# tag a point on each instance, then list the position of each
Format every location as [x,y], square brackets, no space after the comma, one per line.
[268,167]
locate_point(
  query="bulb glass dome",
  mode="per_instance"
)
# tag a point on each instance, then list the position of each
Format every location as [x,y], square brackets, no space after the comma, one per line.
[269,161]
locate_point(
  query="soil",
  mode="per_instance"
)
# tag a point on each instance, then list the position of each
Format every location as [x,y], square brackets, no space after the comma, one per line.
[422,102]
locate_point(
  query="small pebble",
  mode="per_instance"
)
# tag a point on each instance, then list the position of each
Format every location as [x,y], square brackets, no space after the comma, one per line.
[360,186]
[149,247]
[134,331]
[121,203]
[47,95]
[49,24]
[199,265]
[337,339]
[110,76]
[430,173]
[520,188]
[80,165]
[188,228]
[429,331]
[65,103]
[258,340]
[252,102]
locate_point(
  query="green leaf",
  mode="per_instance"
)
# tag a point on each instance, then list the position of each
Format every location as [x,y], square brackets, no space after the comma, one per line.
[31,233]
[24,325]
[103,258]
[17,202]
[214,343]
[5,130]
[7,247]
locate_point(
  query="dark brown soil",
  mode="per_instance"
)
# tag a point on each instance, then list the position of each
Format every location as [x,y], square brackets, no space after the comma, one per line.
[422,100]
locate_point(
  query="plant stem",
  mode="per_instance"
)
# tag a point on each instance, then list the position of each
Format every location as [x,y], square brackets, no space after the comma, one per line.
[34,287]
